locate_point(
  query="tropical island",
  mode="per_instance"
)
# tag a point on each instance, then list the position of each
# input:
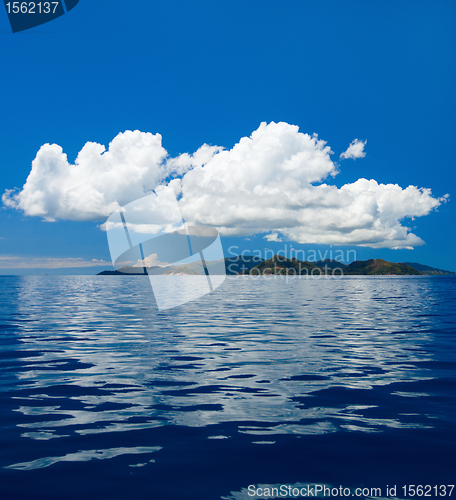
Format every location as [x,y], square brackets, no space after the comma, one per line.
[280,265]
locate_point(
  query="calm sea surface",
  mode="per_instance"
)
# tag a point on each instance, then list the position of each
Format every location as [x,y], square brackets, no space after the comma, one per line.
[344,382]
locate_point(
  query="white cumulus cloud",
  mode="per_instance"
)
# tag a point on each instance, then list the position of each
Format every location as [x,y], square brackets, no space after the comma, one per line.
[275,182]
[355,150]
[100,180]
[151,261]
[272,237]
[96,184]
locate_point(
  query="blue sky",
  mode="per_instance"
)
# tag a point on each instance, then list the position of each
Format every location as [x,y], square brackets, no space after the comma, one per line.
[212,72]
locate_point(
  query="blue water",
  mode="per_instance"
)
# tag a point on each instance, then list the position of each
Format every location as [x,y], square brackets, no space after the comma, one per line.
[267,381]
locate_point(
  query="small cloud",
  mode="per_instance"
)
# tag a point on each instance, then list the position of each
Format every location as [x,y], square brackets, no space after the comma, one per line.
[151,261]
[273,237]
[355,150]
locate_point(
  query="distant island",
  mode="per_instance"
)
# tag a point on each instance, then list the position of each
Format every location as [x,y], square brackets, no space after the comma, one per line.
[429,271]
[279,265]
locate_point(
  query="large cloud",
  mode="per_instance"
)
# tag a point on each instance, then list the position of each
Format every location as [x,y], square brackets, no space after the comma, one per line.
[272,181]
[94,186]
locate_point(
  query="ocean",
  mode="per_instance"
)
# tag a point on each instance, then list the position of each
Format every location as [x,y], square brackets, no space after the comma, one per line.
[268,385]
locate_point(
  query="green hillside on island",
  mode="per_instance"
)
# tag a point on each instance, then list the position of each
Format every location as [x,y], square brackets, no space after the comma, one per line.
[379,267]
[282,265]
[279,265]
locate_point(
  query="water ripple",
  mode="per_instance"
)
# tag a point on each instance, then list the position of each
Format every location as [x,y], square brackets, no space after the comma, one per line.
[91,358]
